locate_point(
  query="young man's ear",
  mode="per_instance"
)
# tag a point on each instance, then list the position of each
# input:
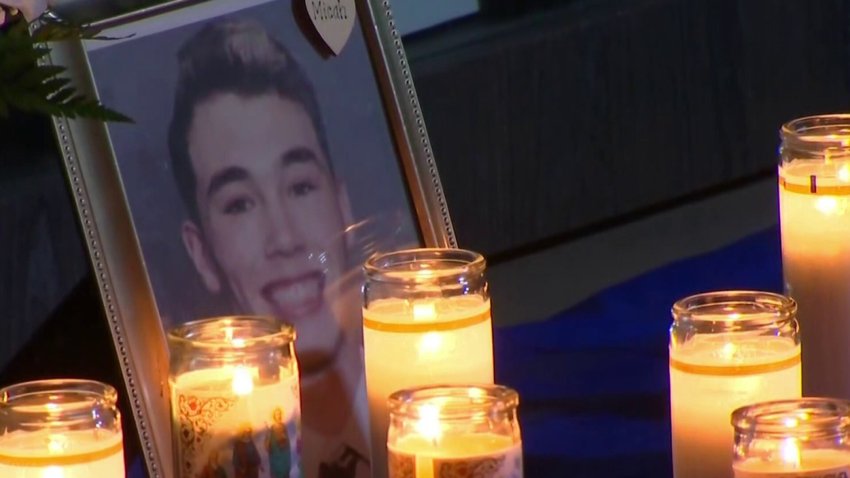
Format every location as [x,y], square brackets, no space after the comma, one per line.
[200,254]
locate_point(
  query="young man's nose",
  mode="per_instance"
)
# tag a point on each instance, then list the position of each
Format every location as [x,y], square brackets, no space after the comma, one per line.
[282,234]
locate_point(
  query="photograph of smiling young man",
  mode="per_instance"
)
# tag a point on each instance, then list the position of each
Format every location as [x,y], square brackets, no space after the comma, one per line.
[267,217]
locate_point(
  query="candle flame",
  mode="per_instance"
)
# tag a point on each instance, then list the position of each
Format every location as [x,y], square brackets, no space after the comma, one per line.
[53,472]
[429,422]
[827,205]
[430,344]
[52,407]
[57,444]
[844,173]
[228,336]
[243,382]
[790,452]
[424,311]
[729,350]
[475,393]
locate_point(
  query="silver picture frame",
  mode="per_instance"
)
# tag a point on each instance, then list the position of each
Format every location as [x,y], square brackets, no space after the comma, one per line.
[100,188]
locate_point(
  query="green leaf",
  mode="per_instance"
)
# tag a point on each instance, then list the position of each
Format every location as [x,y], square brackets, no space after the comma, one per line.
[62,95]
[29,86]
[40,74]
[15,61]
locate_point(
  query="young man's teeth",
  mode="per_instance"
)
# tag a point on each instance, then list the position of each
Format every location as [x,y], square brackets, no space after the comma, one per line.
[295,293]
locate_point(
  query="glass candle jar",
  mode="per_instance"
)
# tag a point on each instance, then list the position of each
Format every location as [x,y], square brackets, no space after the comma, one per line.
[235,398]
[60,429]
[808,437]
[426,320]
[728,349]
[458,431]
[814,205]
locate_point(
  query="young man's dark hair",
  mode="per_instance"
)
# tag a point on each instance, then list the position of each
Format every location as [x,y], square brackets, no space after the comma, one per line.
[238,57]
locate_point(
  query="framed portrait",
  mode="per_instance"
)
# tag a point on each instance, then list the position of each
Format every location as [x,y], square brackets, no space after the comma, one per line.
[275,144]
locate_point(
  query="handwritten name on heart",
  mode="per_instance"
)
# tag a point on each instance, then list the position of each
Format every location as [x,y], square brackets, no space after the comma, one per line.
[334,20]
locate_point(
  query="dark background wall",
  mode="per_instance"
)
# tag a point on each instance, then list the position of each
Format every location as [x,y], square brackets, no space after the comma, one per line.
[571,118]
[545,125]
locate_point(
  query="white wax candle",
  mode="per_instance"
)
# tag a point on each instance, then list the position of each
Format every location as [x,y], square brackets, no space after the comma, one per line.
[809,464]
[815,217]
[66,454]
[711,376]
[466,455]
[233,417]
[430,342]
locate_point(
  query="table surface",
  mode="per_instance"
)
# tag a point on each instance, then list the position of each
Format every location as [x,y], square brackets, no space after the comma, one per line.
[593,379]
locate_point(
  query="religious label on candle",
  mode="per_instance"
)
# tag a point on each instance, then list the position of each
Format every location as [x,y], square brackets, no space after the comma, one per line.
[235,421]
[461,456]
[69,454]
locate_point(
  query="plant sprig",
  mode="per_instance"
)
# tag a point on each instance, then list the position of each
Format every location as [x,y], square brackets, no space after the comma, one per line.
[31,85]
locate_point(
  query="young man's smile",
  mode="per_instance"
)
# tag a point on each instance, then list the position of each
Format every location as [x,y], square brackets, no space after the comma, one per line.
[296,297]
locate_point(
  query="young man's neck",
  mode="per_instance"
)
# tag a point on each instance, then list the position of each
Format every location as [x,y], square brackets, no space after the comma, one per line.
[328,398]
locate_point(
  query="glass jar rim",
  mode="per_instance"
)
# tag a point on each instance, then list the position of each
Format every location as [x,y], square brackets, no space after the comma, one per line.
[65,400]
[211,333]
[75,386]
[808,415]
[817,133]
[410,265]
[726,311]
[453,402]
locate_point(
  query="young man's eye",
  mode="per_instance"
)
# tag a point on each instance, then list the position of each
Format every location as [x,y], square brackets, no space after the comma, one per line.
[302,188]
[238,205]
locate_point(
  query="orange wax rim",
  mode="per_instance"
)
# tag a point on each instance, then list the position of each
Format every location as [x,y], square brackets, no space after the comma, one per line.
[736,369]
[814,188]
[61,460]
[412,327]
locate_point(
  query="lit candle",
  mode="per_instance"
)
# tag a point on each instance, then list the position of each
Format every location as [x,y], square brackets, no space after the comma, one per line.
[727,350]
[454,431]
[814,203]
[235,398]
[60,429]
[811,463]
[426,322]
[806,437]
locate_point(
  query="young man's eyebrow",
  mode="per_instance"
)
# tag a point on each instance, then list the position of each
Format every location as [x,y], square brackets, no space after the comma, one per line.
[226,176]
[299,155]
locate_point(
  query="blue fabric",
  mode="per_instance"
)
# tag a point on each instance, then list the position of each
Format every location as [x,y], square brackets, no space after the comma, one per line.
[593,380]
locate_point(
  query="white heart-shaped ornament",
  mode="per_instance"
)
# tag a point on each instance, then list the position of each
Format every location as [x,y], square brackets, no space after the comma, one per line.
[334,20]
